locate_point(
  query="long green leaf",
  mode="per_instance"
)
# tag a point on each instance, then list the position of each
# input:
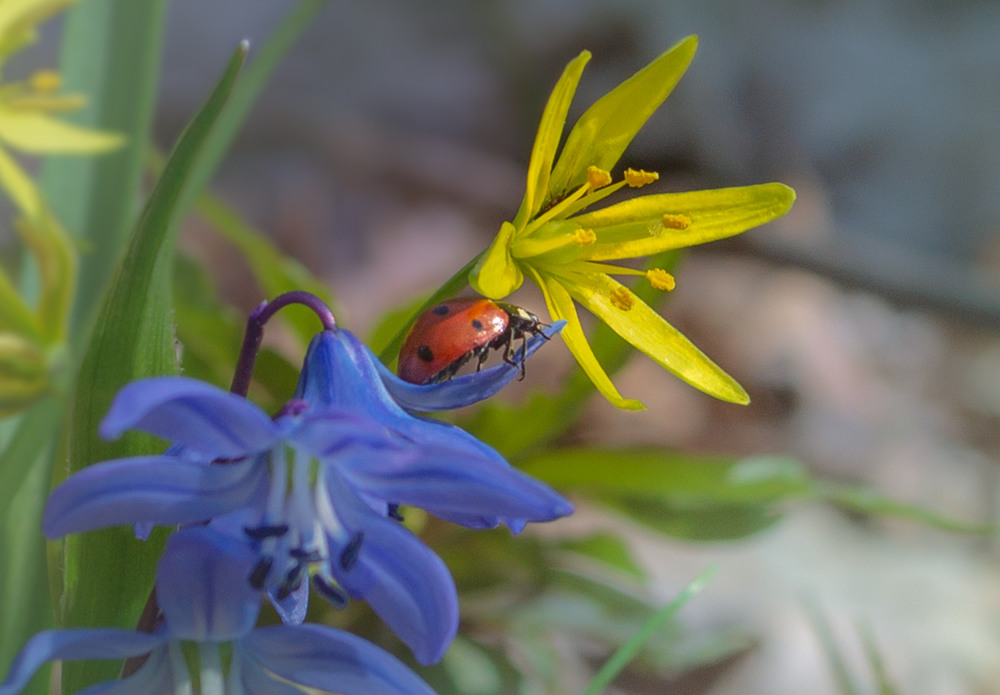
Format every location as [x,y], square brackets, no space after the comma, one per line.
[110,53]
[628,651]
[133,338]
[25,605]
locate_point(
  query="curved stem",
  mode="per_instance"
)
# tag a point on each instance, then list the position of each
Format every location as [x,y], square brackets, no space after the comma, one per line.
[255,332]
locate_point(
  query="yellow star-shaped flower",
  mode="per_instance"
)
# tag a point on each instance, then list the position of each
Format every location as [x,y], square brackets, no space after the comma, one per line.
[565,250]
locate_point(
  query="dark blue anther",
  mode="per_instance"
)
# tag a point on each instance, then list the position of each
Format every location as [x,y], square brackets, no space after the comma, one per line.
[349,555]
[259,533]
[260,571]
[336,597]
[393,512]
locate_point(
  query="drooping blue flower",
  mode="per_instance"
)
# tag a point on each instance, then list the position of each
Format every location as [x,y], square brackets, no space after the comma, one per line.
[318,486]
[205,600]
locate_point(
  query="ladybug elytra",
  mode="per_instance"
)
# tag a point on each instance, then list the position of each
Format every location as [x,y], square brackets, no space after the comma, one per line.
[447,336]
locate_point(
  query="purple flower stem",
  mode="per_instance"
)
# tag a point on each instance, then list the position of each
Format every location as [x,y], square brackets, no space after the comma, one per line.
[255,332]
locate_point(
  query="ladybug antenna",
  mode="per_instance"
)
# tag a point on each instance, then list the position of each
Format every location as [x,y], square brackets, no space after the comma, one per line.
[255,332]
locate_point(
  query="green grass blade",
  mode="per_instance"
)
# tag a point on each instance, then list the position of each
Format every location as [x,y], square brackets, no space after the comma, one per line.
[628,651]
[25,604]
[133,338]
[110,53]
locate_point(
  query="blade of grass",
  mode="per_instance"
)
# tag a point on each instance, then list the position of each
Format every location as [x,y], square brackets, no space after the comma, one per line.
[621,658]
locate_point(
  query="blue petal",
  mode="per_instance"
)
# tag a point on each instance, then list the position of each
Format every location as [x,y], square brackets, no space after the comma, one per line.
[403,581]
[293,608]
[202,587]
[461,390]
[331,431]
[200,417]
[148,489]
[320,657]
[455,486]
[50,645]
[154,677]
[255,679]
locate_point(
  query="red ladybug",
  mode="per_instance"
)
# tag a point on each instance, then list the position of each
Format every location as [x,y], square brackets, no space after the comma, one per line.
[452,333]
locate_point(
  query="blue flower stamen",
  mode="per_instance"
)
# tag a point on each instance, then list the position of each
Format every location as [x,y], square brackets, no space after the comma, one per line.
[393,513]
[258,577]
[259,533]
[336,597]
[349,555]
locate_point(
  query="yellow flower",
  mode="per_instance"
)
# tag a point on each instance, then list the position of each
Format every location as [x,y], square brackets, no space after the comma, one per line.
[32,351]
[565,250]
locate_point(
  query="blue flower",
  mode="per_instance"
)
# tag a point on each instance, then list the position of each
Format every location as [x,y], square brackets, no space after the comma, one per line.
[204,601]
[318,486]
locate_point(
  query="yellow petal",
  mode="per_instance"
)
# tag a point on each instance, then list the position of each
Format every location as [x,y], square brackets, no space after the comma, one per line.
[606,128]
[646,330]
[561,306]
[18,19]
[496,275]
[637,227]
[547,140]
[38,133]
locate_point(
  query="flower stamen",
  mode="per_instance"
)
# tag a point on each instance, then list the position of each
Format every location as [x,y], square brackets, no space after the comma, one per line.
[676,221]
[584,237]
[661,279]
[637,178]
[597,177]
[621,298]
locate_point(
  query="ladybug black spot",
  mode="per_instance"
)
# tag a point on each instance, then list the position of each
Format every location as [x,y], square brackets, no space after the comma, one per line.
[477,324]
[441,310]
[425,354]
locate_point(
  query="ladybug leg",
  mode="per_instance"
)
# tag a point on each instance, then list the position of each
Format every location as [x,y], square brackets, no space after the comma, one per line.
[483,354]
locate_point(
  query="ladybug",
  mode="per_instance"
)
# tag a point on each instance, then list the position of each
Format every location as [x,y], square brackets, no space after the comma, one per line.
[454,332]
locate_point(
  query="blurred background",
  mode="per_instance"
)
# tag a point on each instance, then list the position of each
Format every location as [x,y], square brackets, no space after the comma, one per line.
[392,143]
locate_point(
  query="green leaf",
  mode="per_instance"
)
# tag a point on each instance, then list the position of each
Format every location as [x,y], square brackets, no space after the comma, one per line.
[608,549]
[605,129]
[628,651]
[111,53]
[25,463]
[133,338]
[681,478]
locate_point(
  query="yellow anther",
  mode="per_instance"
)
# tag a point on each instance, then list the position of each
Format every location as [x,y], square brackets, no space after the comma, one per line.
[676,221]
[622,298]
[661,279]
[597,177]
[46,81]
[584,237]
[636,178]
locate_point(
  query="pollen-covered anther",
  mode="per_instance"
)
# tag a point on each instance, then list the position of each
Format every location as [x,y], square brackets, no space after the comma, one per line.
[622,298]
[637,178]
[676,220]
[597,177]
[584,237]
[661,279]
[46,81]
